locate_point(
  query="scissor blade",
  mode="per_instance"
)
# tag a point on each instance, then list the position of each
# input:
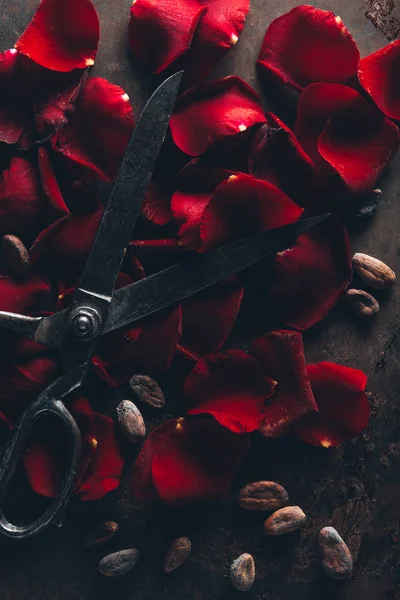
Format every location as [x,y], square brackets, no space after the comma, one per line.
[126,198]
[167,287]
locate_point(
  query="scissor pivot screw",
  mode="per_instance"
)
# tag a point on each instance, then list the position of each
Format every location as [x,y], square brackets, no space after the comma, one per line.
[85,322]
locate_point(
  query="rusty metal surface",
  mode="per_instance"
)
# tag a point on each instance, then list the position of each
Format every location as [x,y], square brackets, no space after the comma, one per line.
[355,487]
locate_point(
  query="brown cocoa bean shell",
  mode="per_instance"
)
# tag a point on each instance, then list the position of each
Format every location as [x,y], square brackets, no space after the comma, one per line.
[147,390]
[101,534]
[336,559]
[16,255]
[131,421]
[362,303]
[285,520]
[263,495]
[243,572]
[118,563]
[373,271]
[177,554]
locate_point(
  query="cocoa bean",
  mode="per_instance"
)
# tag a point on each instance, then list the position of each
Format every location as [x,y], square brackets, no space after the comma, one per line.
[118,563]
[177,554]
[373,272]
[16,255]
[101,534]
[336,559]
[243,572]
[131,421]
[147,390]
[285,520]
[362,303]
[263,495]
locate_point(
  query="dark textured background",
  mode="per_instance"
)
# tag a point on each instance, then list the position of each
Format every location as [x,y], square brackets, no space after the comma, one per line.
[356,486]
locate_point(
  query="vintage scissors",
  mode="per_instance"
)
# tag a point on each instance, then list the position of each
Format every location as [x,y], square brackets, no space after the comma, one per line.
[98,309]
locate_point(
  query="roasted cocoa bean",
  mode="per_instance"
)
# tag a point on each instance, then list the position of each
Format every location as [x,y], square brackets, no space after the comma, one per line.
[373,272]
[16,255]
[131,421]
[243,572]
[263,495]
[336,559]
[285,520]
[362,303]
[177,554]
[147,390]
[101,534]
[118,563]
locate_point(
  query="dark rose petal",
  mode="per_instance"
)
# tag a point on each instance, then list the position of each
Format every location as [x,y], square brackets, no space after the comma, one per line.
[308,45]
[218,31]
[46,456]
[196,186]
[242,205]
[232,387]
[343,404]
[147,348]
[162,30]
[209,316]
[213,110]
[344,134]
[157,205]
[63,35]
[185,469]
[104,471]
[28,295]
[98,133]
[378,76]
[13,117]
[311,276]
[281,355]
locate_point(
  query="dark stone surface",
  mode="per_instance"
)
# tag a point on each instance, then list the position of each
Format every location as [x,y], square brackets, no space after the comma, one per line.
[355,487]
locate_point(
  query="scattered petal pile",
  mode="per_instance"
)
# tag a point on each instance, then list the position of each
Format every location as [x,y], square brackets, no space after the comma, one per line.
[226,170]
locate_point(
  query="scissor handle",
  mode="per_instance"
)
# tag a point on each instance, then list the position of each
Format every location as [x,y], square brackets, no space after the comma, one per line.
[46,404]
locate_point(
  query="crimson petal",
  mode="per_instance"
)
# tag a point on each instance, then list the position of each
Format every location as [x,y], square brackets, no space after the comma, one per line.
[13,118]
[232,387]
[161,30]
[63,35]
[218,31]
[209,316]
[156,206]
[311,276]
[378,76]
[183,468]
[308,45]
[242,205]
[98,133]
[281,355]
[342,402]
[345,134]
[213,110]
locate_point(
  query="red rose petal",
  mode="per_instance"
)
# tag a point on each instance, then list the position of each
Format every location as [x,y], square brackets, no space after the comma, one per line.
[281,355]
[218,31]
[99,131]
[195,188]
[63,35]
[343,133]
[27,295]
[378,76]
[46,457]
[213,110]
[242,205]
[209,316]
[156,206]
[184,469]
[231,387]
[161,30]
[104,471]
[311,276]
[307,45]
[343,404]
[13,118]
[146,348]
